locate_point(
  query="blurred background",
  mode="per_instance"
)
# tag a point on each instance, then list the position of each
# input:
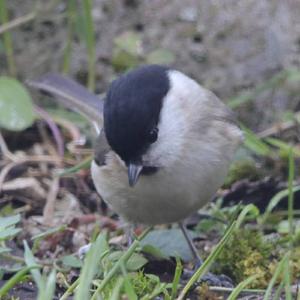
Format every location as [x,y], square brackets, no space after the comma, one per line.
[247,52]
[229,47]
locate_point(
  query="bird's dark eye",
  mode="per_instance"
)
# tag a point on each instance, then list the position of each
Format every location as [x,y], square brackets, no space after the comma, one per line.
[152,136]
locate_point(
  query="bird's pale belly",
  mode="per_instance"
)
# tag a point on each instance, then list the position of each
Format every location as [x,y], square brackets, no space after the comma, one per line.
[158,198]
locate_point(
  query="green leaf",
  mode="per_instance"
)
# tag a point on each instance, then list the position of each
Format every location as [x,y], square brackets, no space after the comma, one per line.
[4,250]
[50,287]
[8,221]
[7,229]
[122,60]
[283,227]
[30,262]
[127,51]
[170,242]
[9,232]
[129,42]
[135,262]
[154,251]
[16,108]
[160,56]
[71,261]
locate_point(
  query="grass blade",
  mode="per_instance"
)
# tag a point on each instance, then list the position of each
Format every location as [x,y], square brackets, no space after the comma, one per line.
[239,288]
[255,144]
[130,293]
[70,290]
[30,262]
[287,280]
[14,280]
[273,82]
[90,42]
[291,193]
[208,262]
[277,273]
[7,40]
[275,200]
[122,260]
[117,289]
[282,146]
[71,12]
[9,221]
[85,164]
[250,208]
[177,275]
[48,294]
[279,291]
[90,267]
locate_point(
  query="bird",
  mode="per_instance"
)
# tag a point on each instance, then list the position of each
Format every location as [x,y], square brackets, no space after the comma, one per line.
[164,146]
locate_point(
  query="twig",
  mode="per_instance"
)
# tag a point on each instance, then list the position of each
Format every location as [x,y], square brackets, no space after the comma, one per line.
[279,127]
[17,22]
[4,149]
[5,171]
[50,202]
[37,158]
[30,159]
[23,183]
[76,138]
[54,129]
[229,290]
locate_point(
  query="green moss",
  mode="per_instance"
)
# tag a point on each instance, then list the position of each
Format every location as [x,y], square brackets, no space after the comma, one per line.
[246,254]
[205,293]
[143,283]
[241,170]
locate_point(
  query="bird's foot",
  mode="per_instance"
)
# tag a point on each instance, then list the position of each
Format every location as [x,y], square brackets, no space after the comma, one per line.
[82,251]
[211,279]
[217,280]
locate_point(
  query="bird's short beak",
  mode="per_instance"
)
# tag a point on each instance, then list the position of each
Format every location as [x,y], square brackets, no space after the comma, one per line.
[134,171]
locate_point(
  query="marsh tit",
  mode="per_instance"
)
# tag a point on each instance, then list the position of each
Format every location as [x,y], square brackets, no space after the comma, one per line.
[165,142]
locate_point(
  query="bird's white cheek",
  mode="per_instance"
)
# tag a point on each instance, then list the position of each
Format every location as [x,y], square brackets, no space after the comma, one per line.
[163,153]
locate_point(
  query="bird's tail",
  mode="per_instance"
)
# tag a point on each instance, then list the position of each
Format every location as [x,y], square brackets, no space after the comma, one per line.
[72,95]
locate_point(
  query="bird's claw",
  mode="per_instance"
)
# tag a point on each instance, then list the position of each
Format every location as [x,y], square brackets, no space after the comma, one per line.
[211,279]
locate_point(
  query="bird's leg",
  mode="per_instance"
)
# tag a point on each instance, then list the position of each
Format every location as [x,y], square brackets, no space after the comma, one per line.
[210,278]
[129,233]
[192,247]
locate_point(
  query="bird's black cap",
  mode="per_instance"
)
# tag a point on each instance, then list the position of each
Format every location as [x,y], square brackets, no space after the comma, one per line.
[132,108]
